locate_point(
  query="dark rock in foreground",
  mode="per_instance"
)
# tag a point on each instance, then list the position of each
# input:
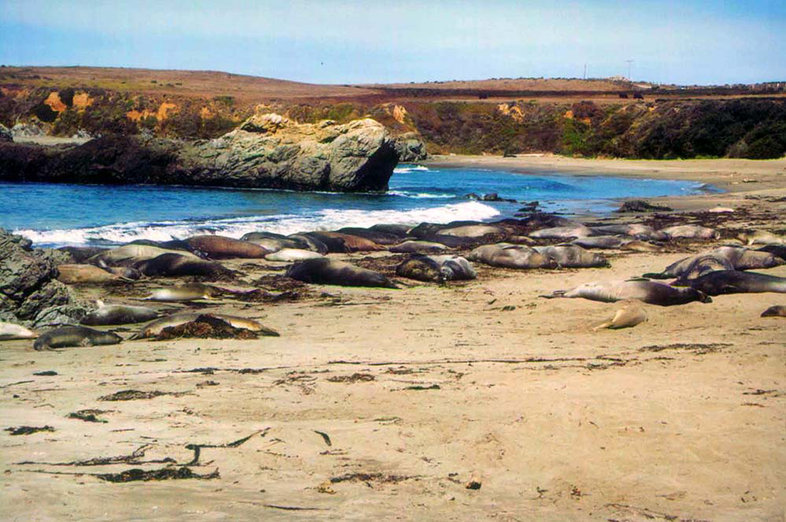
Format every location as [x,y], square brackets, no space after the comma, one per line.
[267,151]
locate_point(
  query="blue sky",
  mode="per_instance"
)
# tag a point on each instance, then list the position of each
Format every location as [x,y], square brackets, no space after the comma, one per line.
[348,41]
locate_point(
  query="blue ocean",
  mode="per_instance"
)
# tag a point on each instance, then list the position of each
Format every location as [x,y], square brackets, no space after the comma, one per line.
[57,214]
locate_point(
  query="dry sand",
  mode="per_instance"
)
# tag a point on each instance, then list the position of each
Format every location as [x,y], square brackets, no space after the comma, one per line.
[386,404]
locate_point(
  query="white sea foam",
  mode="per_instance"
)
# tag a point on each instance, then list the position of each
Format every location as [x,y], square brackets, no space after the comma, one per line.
[328,219]
[410,168]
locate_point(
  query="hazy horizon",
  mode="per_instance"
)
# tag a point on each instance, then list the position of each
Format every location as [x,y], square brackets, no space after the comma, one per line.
[347,41]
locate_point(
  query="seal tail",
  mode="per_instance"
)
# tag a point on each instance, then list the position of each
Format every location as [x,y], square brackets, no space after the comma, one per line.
[554,295]
[601,326]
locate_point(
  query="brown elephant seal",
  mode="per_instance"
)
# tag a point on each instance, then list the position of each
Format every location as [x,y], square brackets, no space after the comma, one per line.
[80,255]
[745,258]
[418,247]
[154,328]
[572,256]
[68,336]
[274,242]
[436,269]
[775,311]
[221,247]
[762,237]
[110,314]
[629,315]
[506,255]
[474,231]
[87,274]
[379,237]
[11,331]
[738,282]
[601,242]
[184,293]
[636,230]
[349,242]
[177,265]
[333,272]
[569,232]
[311,243]
[690,232]
[722,258]
[776,250]
[292,254]
[646,291]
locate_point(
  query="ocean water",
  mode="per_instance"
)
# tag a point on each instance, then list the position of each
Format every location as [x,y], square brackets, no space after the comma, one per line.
[58,214]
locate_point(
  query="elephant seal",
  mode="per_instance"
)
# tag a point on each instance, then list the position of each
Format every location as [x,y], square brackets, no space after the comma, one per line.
[722,258]
[737,282]
[690,232]
[572,256]
[650,292]
[474,231]
[128,255]
[393,229]
[602,242]
[86,274]
[310,243]
[628,316]
[762,237]
[176,265]
[347,242]
[436,269]
[68,336]
[292,254]
[774,311]
[637,245]
[109,314]
[172,244]
[154,328]
[379,237]
[11,331]
[333,272]
[452,241]
[221,247]
[506,255]
[126,272]
[569,232]
[184,293]
[418,247]
[274,242]
[776,250]
[80,255]
[630,229]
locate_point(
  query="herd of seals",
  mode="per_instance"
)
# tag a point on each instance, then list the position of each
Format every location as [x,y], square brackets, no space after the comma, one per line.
[436,253]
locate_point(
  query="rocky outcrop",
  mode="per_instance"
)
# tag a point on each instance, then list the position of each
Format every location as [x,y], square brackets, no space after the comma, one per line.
[29,291]
[410,148]
[267,151]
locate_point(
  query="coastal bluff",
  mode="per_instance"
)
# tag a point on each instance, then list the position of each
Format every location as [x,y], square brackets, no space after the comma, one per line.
[265,151]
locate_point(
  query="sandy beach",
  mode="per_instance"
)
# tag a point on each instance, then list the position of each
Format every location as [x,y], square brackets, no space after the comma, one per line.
[477,400]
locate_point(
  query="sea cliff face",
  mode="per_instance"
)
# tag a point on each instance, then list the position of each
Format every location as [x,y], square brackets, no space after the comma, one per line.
[267,151]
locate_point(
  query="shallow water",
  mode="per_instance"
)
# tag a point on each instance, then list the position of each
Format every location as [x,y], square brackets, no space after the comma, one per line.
[58,214]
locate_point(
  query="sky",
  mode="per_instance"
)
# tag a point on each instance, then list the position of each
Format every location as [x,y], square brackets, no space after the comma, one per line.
[352,41]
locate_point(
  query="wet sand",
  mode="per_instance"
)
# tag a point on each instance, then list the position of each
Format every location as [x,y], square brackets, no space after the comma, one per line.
[385,404]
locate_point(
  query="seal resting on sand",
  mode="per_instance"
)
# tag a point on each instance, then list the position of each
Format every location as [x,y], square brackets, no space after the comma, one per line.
[175,265]
[646,291]
[154,328]
[436,268]
[108,314]
[737,282]
[67,336]
[775,311]
[188,292]
[11,331]
[333,272]
[418,247]
[506,255]
[220,247]
[292,254]
[86,274]
[629,315]
[572,256]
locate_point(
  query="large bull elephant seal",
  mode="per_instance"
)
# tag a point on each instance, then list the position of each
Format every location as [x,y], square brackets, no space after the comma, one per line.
[67,336]
[506,255]
[220,247]
[333,272]
[646,291]
[437,269]
[737,282]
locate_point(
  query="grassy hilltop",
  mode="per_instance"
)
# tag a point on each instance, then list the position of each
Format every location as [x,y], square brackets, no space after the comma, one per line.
[498,116]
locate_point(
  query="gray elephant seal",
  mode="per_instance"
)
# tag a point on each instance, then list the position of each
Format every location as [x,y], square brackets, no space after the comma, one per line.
[690,232]
[692,267]
[292,254]
[630,229]
[333,272]
[220,247]
[569,232]
[109,314]
[184,293]
[68,336]
[154,328]
[11,331]
[128,255]
[631,314]
[603,242]
[418,247]
[380,237]
[176,265]
[436,269]
[474,231]
[737,282]
[572,256]
[506,255]
[274,242]
[646,291]
[774,311]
